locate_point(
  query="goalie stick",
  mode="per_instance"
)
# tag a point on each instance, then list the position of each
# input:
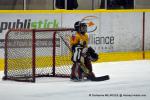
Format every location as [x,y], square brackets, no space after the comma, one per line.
[101,78]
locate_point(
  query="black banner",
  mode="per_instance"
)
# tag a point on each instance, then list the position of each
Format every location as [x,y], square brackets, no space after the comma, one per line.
[27,43]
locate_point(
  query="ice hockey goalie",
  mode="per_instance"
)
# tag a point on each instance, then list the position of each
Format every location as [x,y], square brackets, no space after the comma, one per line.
[82,55]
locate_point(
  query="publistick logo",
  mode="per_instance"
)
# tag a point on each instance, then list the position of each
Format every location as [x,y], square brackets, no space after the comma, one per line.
[28,23]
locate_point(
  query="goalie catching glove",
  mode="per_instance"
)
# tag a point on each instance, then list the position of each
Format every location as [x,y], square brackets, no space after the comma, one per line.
[90,53]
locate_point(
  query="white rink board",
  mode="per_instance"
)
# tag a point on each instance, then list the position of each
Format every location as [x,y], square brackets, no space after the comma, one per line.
[125,28]
[27,20]
[116,32]
[1,53]
[147,31]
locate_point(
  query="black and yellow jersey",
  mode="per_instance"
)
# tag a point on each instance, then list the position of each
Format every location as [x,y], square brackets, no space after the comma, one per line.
[81,39]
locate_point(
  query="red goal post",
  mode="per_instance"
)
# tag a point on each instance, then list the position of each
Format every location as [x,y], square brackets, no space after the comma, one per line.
[31,53]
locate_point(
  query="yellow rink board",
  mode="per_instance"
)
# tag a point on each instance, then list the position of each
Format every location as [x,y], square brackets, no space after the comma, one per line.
[123,56]
[69,11]
[147,54]
[1,64]
[103,57]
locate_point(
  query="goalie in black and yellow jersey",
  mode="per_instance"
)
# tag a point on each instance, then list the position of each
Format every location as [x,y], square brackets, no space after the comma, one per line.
[82,55]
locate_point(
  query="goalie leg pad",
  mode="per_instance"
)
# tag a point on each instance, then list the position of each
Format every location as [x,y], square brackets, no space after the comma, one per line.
[76,72]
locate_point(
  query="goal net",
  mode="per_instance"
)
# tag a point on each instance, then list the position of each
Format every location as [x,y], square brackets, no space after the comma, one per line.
[31,53]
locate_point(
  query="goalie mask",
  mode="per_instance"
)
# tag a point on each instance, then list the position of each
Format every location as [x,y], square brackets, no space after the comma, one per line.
[80,27]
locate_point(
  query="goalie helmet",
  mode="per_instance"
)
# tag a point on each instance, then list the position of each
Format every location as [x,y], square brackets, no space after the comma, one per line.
[80,27]
[77,26]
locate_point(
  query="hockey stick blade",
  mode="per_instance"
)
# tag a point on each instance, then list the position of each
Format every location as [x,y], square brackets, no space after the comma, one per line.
[101,78]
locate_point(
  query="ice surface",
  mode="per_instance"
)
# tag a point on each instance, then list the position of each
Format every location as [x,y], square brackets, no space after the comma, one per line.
[129,80]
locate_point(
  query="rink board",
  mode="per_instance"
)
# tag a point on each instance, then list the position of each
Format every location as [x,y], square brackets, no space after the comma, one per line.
[103,57]
[118,53]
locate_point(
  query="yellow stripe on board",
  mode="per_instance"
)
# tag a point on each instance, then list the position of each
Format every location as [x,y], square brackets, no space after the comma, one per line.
[41,61]
[30,11]
[69,11]
[120,56]
[147,54]
[1,64]
[62,60]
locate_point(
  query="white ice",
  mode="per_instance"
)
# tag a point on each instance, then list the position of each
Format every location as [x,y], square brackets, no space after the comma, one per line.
[129,80]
